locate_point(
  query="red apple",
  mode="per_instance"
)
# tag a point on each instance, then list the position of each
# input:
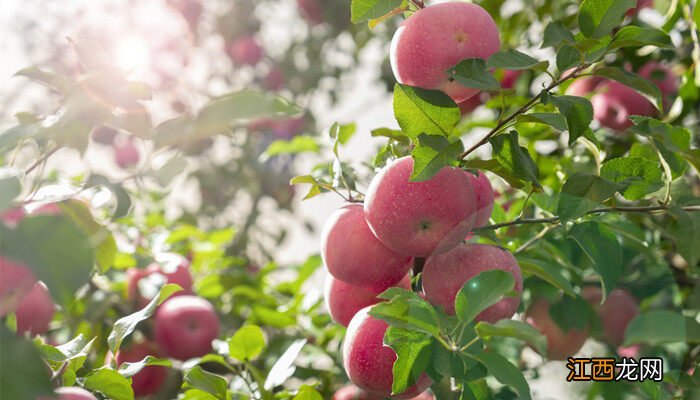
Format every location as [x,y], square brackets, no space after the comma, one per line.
[469,105]
[614,102]
[245,51]
[17,281]
[150,379]
[311,10]
[275,79]
[438,37]
[185,327]
[352,392]
[420,218]
[615,314]
[70,393]
[143,285]
[445,274]
[484,197]
[126,155]
[344,300]
[560,345]
[510,77]
[583,86]
[663,77]
[35,311]
[354,255]
[369,363]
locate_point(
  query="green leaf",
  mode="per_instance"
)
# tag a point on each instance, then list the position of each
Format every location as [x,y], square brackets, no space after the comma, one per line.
[634,81]
[472,73]
[123,201]
[600,245]
[298,144]
[365,10]
[685,231]
[196,394]
[10,187]
[505,372]
[515,60]
[125,325]
[631,35]
[598,17]
[307,392]
[105,246]
[567,57]
[482,291]
[110,383]
[514,329]
[406,310]
[495,167]
[555,33]
[77,347]
[557,121]
[582,193]
[548,272]
[578,112]
[23,374]
[413,356]
[639,176]
[426,111]
[11,137]
[572,313]
[341,134]
[432,154]
[670,140]
[392,134]
[656,327]
[206,382]
[247,343]
[129,369]
[284,367]
[514,158]
[52,80]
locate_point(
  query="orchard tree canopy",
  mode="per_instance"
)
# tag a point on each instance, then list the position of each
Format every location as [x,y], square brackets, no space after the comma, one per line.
[356,199]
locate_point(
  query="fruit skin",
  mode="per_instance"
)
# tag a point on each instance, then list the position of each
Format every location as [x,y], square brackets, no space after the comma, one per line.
[584,85]
[615,314]
[614,102]
[420,218]
[35,311]
[510,77]
[245,51]
[445,274]
[344,300]
[484,197]
[469,105]
[437,38]
[369,363]
[560,345]
[17,281]
[180,275]
[354,255]
[185,327]
[70,393]
[352,392]
[668,84]
[126,155]
[149,379]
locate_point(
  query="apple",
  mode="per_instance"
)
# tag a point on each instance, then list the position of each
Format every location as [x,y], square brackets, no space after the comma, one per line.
[35,311]
[70,393]
[640,4]
[17,281]
[438,37]
[614,102]
[143,284]
[275,79]
[420,218]
[150,379]
[245,51]
[354,255]
[344,300]
[368,363]
[663,77]
[484,197]
[352,392]
[445,274]
[126,154]
[469,105]
[185,327]
[12,216]
[510,77]
[311,10]
[615,314]
[584,85]
[560,345]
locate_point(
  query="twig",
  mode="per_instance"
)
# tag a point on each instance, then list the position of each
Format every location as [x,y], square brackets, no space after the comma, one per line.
[41,160]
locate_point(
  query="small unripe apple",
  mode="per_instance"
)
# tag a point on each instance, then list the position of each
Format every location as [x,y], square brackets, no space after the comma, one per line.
[560,345]
[104,135]
[354,255]
[35,311]
[70,393]
[438,37]
[445,274]
[368,363]
[150,379]
[352,392]
[615,102]
[126,155]
[17,280]
[344,300]
[615,314]
[420,218]
[185,327]
[663,77]
[245,51]
[484,197]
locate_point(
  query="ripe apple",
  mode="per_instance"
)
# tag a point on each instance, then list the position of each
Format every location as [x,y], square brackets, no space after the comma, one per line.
[445,274]
[663,77]
[420,218]
[311,10]
[126,154]
[17,280]
[70,393]
[354,255]
[510,76]
[35,311]
[352,392]
[344,300]
[584,85]
[185,327]
[484,197]
[615,314]
[369,363]
[438,37]
[143,284]
[469,105]
[150,378]
[245,51]
[560,345]
[614,102]
[104,135]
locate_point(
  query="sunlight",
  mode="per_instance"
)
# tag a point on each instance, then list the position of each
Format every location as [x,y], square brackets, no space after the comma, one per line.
[132,53]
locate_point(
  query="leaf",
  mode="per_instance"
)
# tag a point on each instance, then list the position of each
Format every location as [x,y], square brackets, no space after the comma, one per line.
[98,235]
[482,291]
[597,18]
[306,392]
[631,35]
[23,374]
[670,140]
[52,80]
[472,73]
[123,201]
[639,176]
[10,186]
[685,231]
[413,355]
[515,60]
[365,10]
[75,348]
[284,368]
[392,134]
[406,310]
[656,327]
[432,154]
[110,383]
[129,369]
[567,57]
[557,121]
[11,137]
[582,193]
[514,329]
[505,372]
[495,167]
[572,313]
[298,144]
[207,382]
[578,112]
[426,111]
[247,343]
[548,272]
[634,81]
[125,325]
[600,245]
[555,33]
[341,134]
[514,158]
